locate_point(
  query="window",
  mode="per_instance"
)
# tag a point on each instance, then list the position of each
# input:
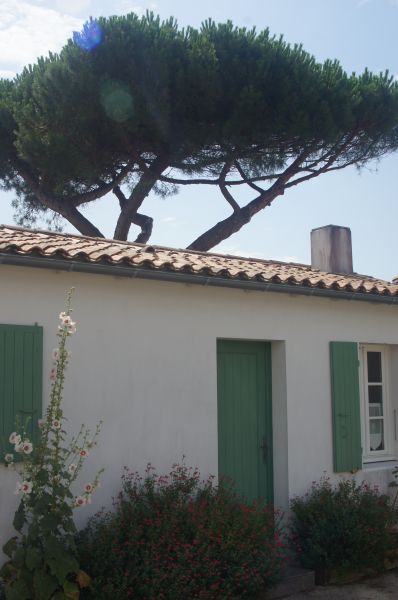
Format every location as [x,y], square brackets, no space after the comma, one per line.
[21,366]
[376,411]
[364,423]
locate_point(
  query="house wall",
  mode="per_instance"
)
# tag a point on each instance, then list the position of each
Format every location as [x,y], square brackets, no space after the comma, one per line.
[144,362]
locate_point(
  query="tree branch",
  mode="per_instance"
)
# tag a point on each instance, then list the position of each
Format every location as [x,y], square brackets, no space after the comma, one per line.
[227,195]
[246,180]
[102,190]
[137,196]
[68,211]
[238,219]
[143,221]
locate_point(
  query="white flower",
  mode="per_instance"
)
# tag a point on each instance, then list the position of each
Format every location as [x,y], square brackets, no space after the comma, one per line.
[83,453]
[80,501]
[65,318]
[88,488]
[72,468]
[25,487]
[27,447]
[14,438]
[41,423]
[71,328]
[9,458]
[56,424]
[18,447]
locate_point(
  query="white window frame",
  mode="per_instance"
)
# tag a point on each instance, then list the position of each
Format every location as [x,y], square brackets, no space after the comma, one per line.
[370,456]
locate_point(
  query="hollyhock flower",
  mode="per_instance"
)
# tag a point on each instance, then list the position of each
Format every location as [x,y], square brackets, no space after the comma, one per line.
[9,458]
[55,354]
[25,487]
[41,423]
[65,318]
[83,453]
[18,447]
[53,374]
[27,447]
[88,488]
[14,438]
[80,501]
[72,468]
[56,424]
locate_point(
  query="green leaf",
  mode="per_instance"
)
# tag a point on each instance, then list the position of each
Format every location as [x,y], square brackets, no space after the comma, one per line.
[71,590]
[10,547]
[19,517]
[83,579]
[45,585]
[33,559]
[19,557]
[18,591]
[8,571]
[63,567]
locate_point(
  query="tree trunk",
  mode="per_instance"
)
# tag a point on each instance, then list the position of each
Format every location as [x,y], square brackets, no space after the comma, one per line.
[138,195]
[224,229]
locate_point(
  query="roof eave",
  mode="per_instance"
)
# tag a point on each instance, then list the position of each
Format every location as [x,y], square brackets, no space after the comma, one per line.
[122,270]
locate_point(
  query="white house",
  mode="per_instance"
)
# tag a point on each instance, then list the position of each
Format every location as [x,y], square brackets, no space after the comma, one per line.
[269,372]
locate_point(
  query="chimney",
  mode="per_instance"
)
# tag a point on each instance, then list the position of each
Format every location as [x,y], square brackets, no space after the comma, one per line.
[331,249]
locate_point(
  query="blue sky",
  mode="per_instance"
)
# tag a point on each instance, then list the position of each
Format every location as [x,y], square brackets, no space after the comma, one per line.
[359,33]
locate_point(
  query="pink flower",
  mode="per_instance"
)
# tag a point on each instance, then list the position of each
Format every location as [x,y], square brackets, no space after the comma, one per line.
[80,501]
[55,354]
[25,487]
[83,453]
[18,448]
[56,424]
[9,458]
[88,488]
[14,438]
[53,374]
[41,423]
[72,468]
[27,447]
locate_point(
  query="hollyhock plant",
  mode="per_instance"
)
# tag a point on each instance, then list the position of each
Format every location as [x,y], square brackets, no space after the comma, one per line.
[43,561]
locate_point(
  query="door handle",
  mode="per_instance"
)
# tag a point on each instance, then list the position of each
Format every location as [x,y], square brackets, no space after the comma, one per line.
[264,448]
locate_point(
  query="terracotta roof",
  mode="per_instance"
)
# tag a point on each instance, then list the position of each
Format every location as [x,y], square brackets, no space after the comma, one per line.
[21,242]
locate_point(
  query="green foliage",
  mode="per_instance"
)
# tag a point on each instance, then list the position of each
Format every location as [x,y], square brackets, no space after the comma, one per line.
[344,527]
[43,562]
[175,537]
[148,97]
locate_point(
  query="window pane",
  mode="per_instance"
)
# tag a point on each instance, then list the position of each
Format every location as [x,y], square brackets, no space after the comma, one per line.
[376,435]
[375,400]
[374,367]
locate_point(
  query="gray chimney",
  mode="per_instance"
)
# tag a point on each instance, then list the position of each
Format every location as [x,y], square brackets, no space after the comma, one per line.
[331,249]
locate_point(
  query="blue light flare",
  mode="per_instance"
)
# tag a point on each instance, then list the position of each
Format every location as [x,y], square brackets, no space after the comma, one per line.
[90,37]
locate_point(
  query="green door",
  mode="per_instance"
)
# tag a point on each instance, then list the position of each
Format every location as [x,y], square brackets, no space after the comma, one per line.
[245,416]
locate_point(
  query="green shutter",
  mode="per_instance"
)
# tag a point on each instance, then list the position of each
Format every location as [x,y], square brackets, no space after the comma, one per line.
[21,365]
[346,409]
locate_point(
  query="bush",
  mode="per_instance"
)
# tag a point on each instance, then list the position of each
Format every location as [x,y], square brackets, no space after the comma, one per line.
[344,527]
[174,537]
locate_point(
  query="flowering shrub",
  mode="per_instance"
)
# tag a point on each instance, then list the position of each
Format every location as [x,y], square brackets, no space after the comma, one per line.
[43,562]
[174,537]
[344,527]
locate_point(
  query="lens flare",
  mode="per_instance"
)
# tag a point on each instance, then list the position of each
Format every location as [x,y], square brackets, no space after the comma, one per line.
[117,100]
[90,37]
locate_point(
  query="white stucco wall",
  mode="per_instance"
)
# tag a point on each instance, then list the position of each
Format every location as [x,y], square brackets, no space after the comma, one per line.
[144,361]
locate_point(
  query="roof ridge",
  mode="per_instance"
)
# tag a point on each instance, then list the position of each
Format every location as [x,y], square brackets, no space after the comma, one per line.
[176,259]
